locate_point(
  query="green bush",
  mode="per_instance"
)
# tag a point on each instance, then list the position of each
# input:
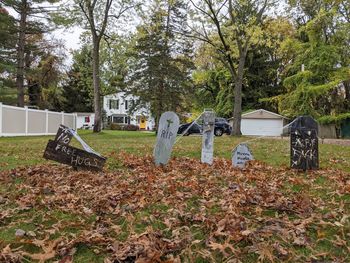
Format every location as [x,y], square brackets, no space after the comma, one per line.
[115,126]
[131,127]
[124,127]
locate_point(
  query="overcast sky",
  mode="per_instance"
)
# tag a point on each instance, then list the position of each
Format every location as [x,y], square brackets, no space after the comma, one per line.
[71,36]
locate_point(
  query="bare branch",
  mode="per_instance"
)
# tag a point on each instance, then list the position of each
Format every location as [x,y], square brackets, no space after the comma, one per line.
[122,11]
[87,16]
[105,18]
[201,9]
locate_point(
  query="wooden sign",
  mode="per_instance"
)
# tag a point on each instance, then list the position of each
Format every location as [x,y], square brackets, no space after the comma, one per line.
[60,151]
[75,157]
[208,137]
[240,155]
[167,131]
[304,149]
[63,136]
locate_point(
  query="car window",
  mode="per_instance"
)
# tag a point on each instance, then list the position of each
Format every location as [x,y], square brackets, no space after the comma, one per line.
[220,120]
[199,121]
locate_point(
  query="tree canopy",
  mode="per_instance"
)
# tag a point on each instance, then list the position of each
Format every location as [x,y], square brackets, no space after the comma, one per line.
[229,55]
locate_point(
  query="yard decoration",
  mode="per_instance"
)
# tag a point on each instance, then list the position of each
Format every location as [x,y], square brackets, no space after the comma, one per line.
[208,137]
[304,143]
[167,130]
[240,155]
[60,151]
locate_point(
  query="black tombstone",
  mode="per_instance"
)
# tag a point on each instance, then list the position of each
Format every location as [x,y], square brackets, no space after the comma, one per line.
[304,143]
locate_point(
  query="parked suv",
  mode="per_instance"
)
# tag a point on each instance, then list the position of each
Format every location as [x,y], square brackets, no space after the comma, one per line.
[221,127]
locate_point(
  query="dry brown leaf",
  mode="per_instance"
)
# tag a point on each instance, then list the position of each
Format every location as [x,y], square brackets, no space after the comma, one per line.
[48,246]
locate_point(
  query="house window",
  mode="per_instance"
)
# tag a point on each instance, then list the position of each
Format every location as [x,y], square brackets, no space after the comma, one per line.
[126,104]
[113,104]
[87,119]
[117,119]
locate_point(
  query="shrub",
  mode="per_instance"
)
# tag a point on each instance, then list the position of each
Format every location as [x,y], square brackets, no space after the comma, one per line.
[116,126]
[131,127]
[124,127]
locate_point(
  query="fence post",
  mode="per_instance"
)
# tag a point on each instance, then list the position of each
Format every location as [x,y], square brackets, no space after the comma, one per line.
[62,112]
[26,109]
[47,122]
[0,119]
[75,120]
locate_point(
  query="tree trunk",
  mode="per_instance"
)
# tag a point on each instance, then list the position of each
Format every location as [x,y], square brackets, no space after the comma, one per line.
[347,93]
[20,54]
[156,120]
[237,107]
[96,81]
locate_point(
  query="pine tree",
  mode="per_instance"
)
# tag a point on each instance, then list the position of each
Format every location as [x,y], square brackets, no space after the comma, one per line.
[28,11]
[78,91]
[7,53]
[161,71]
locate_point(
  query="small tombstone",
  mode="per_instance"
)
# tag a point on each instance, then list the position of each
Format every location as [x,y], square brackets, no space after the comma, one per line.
[60,151]
[240,155]
[167,130]
[304,144]
[208,137]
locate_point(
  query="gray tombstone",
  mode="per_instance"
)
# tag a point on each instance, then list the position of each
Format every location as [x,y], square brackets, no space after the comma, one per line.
[208,137]
[167,131]
[241,154]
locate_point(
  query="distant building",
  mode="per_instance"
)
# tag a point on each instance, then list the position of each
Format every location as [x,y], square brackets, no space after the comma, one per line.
[262,123]
[85,120]
[119,108]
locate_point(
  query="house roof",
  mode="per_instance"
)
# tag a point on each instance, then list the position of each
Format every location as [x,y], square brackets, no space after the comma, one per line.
[84,113]
[261,114]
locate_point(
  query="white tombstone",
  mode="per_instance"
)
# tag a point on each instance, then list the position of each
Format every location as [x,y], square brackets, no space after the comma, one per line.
[208,137]
[167,131]
[241,155]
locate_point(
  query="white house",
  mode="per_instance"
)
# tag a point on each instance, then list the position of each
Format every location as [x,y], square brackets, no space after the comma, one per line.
[85,120]
[118,110]
[262,123]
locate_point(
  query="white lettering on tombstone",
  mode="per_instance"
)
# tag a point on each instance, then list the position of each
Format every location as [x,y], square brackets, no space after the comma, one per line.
[240,155]
[208,137]
[167,130]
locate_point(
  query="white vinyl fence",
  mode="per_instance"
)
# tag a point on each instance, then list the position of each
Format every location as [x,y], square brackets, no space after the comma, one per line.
[16,121]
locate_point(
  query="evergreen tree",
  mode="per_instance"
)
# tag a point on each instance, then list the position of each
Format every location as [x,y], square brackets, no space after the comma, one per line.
[78,90]
[32,15]
[317,81]
[7,55]
[162,59]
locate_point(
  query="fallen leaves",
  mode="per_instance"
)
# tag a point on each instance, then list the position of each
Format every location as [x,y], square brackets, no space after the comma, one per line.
[180,212]
[48,247]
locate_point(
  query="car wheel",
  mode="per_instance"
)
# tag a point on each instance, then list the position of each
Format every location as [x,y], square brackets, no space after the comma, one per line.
[218,132]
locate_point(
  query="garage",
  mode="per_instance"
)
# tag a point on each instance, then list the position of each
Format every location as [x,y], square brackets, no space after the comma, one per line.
[262,123]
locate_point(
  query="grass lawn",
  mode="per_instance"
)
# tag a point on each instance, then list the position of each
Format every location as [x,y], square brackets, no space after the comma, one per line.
[19,151]
[184,212]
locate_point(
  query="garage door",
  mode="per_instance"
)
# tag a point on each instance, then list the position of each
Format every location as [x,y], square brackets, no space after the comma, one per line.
[262,127]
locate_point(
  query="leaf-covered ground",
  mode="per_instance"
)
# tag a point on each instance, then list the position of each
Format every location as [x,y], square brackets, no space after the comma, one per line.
[184,212]
[24,151]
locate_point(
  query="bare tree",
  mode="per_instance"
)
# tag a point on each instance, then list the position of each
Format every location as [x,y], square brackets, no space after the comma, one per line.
[97,14]
[231,27]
